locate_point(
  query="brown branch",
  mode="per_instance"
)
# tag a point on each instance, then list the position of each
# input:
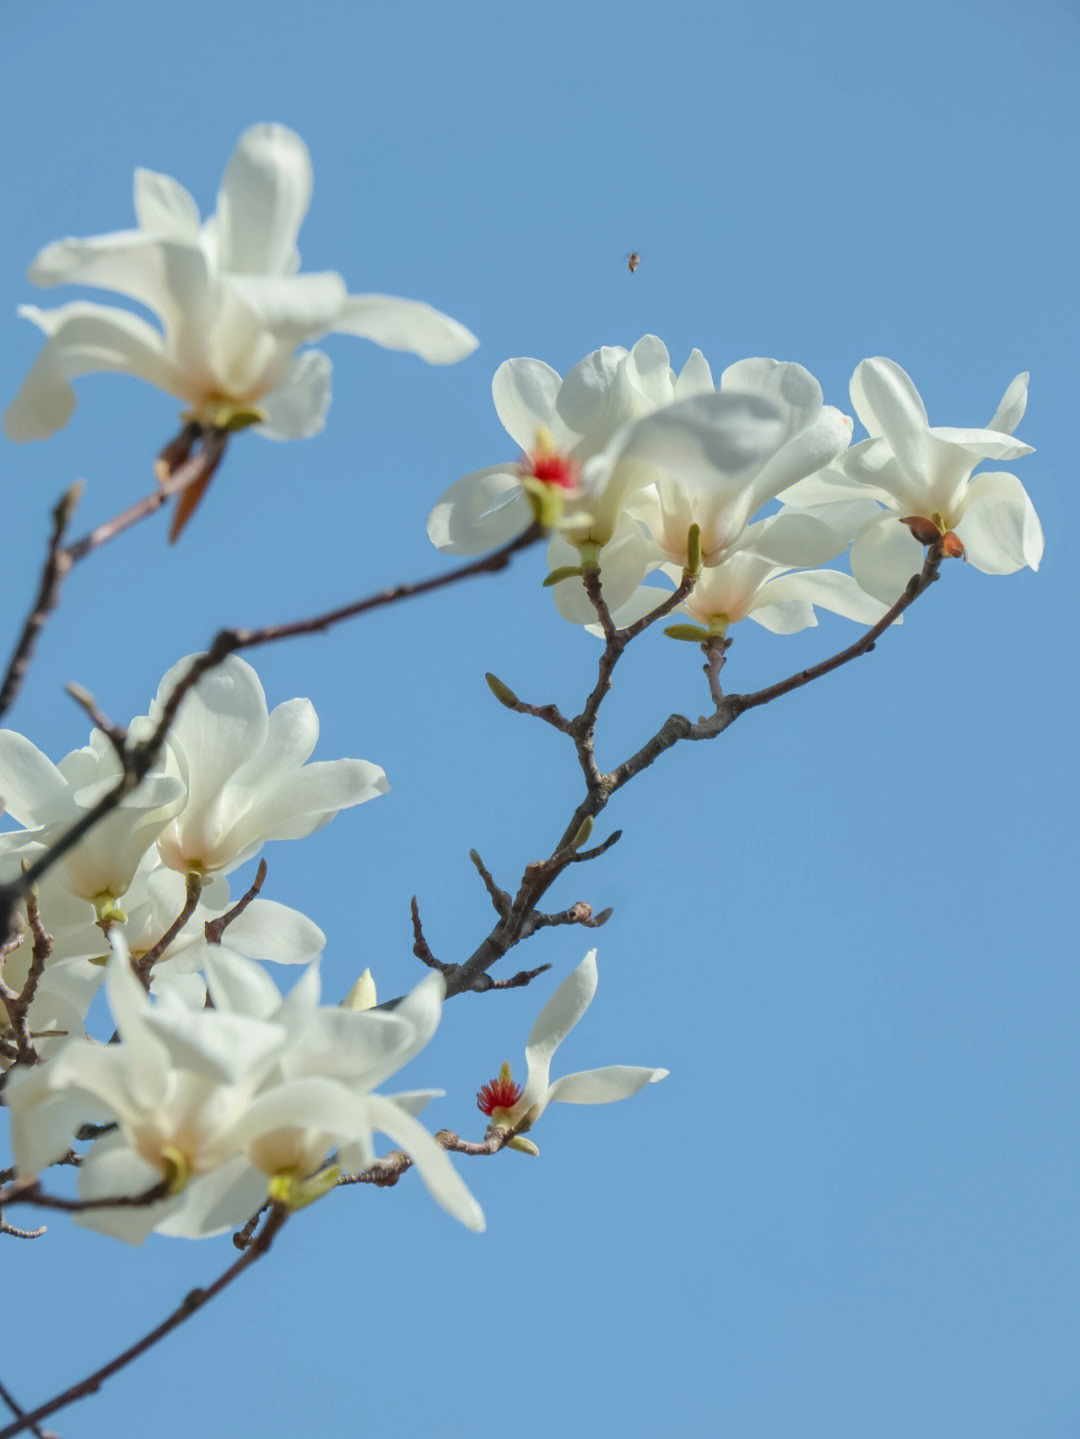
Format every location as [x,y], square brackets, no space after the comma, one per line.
[421,947]
[139,758]
[500,899]
[28,1191]
[57,563]
[18,1411]
[187,1307]
[386,1172]
[213,929]
[146,962]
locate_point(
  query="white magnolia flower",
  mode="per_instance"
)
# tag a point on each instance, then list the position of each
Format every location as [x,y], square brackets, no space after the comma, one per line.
[245,770]
[47,799]
[562,428]
[923,475]
[512,1106]
[227,1104]
[749,585]
[232,305]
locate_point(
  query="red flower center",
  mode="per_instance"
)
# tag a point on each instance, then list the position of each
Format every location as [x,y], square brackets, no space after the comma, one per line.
[499,1094]
[551,468]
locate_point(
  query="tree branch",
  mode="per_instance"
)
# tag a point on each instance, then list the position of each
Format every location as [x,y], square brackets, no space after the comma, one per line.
[187,1307]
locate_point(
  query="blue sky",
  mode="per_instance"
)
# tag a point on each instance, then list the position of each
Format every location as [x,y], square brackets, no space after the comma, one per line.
[847,928]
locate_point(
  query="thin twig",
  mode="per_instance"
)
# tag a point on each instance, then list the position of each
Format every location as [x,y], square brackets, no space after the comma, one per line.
[193,889]
[421,948]
[213,929]
[187,1307]
[18,1410]
[139,758]
[28,1191]
[57,563]
[500,899]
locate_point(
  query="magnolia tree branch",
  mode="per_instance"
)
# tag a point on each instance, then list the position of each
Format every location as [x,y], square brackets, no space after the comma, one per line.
[254,1250]
[518,917]
[137,759]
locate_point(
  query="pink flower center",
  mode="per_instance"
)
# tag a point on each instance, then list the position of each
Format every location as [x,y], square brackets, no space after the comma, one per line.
[499,1094]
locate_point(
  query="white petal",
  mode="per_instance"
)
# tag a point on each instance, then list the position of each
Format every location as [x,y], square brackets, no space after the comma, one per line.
[211,1203]
[884,557]
[264,196]
[554,1023]
[791,538]
[30,784]
[238,985]
[406,325]
[164,208]
[602,1086]
[999,526]
[296,408]
[1013,404]
[884,396]
[84,339]
[831,590]
[294,309]
[784,617]
[480,512]
[695,378]
[525,393]
[111,1169]
[271,931]
[624,563]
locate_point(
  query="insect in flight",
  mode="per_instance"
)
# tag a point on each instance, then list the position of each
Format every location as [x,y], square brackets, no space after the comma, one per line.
[633,260]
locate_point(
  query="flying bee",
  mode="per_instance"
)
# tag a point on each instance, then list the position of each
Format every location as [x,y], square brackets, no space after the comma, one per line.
[633,260]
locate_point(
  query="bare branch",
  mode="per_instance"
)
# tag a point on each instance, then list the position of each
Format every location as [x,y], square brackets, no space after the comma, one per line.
[57,563]
[143,965]
[18,1410]
[187,1307]
[499,897]
[213,929]
[420,945]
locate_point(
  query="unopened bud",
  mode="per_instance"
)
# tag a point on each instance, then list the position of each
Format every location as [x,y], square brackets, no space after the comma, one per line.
[564,572]
[584,830]
[953,545]
[522,1145]
[925,531]
[687,632]
[362,995]
[503,693]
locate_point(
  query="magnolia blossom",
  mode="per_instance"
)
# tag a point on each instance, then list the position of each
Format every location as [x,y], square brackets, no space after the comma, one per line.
[517,1107]
[923,475]
[47,799]
[747,585]
[232,304]
[245,770]
[218,1104]
[563,428]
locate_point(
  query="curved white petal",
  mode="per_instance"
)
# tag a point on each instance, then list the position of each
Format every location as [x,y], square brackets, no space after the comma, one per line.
[884,556]
[480,512]
[238,985]
[998,525]
[406,325]
[695,377]
[525,392]
[271,931]
[293,309]
[30,784]
[164,208]
[624,563]
[111,1169]
[830,589]
[886,400]
[784,617]
[603,1086]
[1013,404]
[553,1024]
[223,1199]
[791,538]
[84,339]
[296,408]
[264,196]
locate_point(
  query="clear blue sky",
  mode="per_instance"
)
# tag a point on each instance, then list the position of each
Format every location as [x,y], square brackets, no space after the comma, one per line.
[848,928]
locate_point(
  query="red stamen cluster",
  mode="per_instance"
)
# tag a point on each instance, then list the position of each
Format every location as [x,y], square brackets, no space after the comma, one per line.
[551,468]
[499,1094]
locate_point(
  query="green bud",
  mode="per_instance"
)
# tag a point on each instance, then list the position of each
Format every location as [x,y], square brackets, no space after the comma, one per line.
[693,551]
[522,1145]
[564,572]
[503,693]
[583,833]
[295,1193]
[693,633]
